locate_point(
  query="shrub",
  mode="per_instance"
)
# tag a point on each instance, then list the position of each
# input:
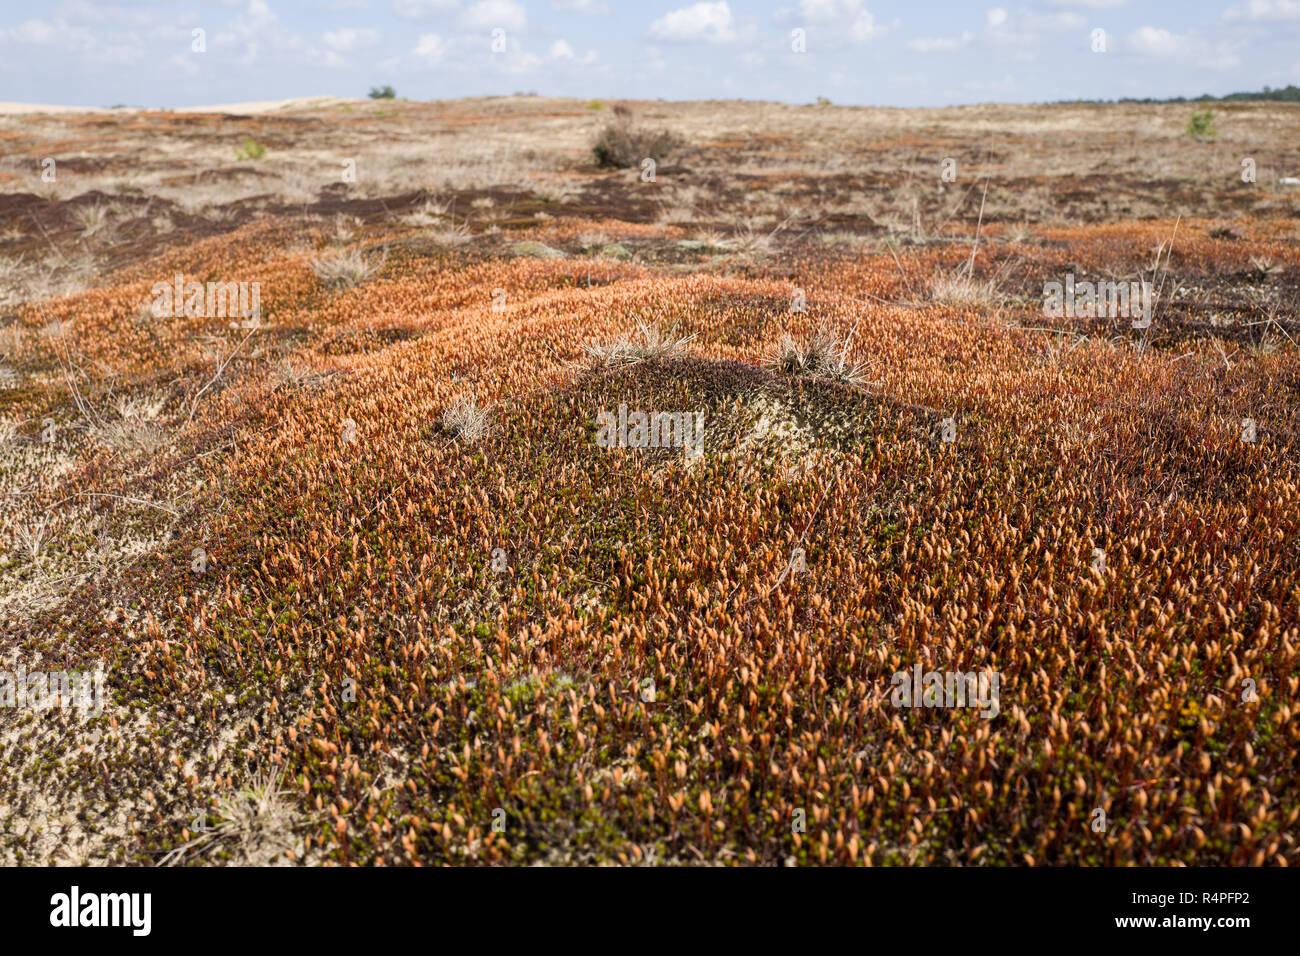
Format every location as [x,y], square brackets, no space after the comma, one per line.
[384,92]
[1201,124]
[250,149]
[621,144]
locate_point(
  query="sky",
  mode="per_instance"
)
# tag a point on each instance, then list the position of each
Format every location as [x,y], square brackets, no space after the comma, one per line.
[169,53]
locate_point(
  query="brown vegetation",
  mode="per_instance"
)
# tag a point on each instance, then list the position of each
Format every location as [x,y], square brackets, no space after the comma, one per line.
[414,618]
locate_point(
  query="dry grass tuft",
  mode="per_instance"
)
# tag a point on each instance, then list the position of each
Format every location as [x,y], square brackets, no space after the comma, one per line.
[451,234]
[753,243]
[464,419]
[655,344]
[91,218]
[345,268]
[826,356]
[255,825]
[964,291]
[292,374]
[30,539]
[1018,234]
[428,213]
[1265,266]
[136,427]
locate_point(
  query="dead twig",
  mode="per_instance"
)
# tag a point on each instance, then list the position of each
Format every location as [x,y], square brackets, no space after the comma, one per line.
[194,402]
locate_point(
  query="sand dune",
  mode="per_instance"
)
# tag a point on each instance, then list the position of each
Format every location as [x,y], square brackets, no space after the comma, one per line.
[251,108]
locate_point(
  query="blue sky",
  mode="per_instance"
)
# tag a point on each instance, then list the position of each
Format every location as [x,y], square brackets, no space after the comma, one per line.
[882,52]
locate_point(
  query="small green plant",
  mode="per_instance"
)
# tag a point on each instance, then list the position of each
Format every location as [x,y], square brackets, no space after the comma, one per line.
[823,101]
[595,105]
[250,149]
[1201,124]
[384,92]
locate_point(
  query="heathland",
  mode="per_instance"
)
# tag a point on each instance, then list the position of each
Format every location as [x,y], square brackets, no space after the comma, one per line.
[298,442]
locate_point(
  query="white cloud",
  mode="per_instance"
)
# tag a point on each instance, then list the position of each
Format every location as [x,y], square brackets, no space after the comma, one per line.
[1023,31]
[701,23]
[939,44]
[819,11]
[490,14]
[258,24]
[848,17]
[516,61]
[431,48]
[419,9]
[864,27]
[183,63]
[260,13]
[562,50]
[98,46]
[349,39]
[35,32]
[1090,4]
[1159,42]
[581,6]
[1262,10]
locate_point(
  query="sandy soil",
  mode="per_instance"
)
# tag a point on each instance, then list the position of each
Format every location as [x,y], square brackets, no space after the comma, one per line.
[252,108]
